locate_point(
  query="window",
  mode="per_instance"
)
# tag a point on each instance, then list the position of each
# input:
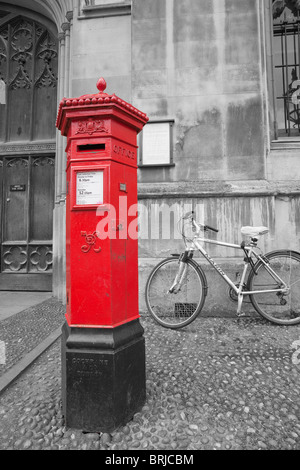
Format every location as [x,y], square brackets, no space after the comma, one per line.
[102,8]
[2,92]
[92,3]
[155,147]
[286,67]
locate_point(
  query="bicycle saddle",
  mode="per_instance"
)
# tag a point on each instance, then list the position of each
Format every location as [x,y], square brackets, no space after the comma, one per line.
[254,231]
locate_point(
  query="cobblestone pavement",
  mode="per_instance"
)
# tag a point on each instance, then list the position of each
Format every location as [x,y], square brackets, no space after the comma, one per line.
[217,384]
[25,330]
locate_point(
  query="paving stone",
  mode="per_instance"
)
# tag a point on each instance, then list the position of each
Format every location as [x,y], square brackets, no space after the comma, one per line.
[198,394]
[23,331]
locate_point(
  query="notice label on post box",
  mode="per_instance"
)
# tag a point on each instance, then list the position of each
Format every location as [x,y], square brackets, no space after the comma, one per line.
[89,187]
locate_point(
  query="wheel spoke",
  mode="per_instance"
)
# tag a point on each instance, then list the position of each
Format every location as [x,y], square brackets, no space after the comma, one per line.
[282,307]
[174,310]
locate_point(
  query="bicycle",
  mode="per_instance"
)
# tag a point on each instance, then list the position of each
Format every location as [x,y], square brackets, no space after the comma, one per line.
[177,286]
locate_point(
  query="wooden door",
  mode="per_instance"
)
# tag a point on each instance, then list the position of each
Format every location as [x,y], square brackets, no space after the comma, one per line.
[26,213]
[28,105]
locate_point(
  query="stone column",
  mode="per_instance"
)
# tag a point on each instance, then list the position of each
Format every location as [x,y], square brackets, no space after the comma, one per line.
[57,265]
[60,175]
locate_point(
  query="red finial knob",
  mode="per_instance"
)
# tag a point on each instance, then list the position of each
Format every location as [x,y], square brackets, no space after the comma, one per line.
[101,84]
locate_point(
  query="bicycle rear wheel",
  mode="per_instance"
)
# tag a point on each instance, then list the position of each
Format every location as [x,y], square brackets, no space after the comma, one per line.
[282,308]
[175,310]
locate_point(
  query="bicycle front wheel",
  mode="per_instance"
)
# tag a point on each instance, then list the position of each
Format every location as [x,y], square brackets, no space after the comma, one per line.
[175,310]
[282,307]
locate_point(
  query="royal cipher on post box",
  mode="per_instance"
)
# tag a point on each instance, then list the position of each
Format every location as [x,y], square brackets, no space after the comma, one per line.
[103,350]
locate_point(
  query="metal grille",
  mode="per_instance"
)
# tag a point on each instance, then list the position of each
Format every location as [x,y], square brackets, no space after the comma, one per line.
[286,54]
[184,310]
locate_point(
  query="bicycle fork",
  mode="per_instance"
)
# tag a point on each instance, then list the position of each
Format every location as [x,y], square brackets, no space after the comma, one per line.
[176,286]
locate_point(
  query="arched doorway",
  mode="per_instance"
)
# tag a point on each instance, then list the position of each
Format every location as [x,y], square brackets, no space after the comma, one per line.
[28,104]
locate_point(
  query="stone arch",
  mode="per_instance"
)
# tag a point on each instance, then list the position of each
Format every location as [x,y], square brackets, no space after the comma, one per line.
[55,10]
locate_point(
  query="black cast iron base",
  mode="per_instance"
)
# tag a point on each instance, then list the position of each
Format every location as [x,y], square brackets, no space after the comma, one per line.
[103,376]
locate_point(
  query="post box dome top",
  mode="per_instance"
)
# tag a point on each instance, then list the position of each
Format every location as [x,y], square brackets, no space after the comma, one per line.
[101,98]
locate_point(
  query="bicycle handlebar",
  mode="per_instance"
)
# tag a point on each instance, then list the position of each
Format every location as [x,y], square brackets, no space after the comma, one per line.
[190,215]
[207,227]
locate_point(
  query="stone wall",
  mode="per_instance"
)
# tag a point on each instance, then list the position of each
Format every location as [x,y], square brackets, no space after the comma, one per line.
[274,206]
[102,47]
[199,63]
[204,65]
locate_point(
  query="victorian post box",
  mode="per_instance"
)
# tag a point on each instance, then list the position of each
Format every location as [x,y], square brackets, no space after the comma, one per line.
[103,350]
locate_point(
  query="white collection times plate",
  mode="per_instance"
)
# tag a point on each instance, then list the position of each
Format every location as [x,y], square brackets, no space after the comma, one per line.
[89,188]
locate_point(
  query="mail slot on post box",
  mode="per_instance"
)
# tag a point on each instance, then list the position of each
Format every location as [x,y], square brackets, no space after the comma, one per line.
[103,351]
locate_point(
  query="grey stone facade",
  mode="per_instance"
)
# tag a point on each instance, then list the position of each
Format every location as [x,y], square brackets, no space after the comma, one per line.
[206,66]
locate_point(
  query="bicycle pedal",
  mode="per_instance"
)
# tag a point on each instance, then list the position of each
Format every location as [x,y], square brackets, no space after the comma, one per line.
[241,315]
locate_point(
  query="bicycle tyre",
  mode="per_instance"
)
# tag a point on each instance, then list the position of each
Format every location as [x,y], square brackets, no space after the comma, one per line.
[282,309]
[172,310]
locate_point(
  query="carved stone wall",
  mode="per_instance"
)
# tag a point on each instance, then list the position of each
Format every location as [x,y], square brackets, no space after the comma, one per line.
[28,68]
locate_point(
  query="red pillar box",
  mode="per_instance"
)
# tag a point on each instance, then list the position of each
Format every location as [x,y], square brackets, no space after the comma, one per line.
[103,350]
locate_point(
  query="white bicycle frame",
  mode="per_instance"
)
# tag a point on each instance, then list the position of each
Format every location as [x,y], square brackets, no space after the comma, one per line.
[238,290]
